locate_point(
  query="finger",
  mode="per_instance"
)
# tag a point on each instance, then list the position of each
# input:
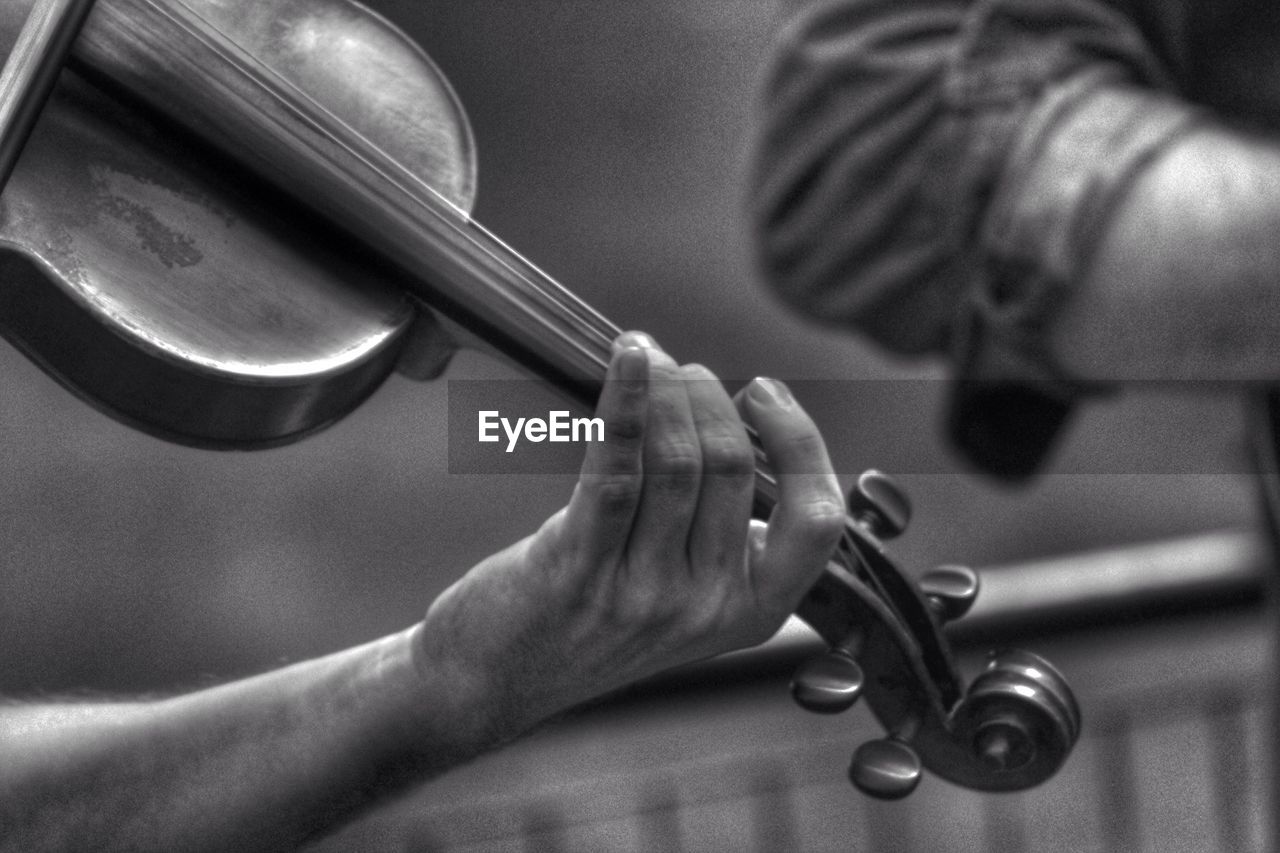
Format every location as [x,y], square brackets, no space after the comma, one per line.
[809,518]
[633,338]
[672,468]
[604,503]
[728,475]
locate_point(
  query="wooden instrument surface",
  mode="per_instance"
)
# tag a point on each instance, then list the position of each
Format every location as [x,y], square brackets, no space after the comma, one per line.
[165,284]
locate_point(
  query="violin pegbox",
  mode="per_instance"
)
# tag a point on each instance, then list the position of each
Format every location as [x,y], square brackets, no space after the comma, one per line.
[1011,729]
[832,682]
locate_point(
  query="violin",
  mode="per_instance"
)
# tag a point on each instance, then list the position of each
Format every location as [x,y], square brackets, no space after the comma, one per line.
[230,222]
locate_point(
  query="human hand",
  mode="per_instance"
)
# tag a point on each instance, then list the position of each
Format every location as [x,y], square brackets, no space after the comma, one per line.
[655,561]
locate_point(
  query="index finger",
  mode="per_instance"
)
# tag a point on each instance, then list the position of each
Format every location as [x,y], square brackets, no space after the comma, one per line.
[605,501]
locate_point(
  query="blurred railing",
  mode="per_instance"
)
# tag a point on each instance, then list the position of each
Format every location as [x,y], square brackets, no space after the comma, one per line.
[1166,645]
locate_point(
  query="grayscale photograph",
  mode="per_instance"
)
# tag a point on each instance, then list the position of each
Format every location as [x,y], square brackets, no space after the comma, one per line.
[579,426]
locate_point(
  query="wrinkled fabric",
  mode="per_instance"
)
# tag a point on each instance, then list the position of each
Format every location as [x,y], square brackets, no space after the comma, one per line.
[938,174]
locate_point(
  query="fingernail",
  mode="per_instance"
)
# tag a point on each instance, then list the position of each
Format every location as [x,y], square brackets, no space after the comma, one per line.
[635,339]
[771,392]
[633,363]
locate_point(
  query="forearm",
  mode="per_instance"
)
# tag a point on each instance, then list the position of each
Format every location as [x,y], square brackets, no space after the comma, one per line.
[1185,283]
[261,764]
[629,579]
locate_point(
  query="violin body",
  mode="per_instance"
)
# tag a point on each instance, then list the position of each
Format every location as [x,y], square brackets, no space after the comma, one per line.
[165,284]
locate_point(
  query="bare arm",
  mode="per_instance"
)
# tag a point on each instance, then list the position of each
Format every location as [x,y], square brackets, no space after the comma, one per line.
[254,765]
[653,563]
[1185,283]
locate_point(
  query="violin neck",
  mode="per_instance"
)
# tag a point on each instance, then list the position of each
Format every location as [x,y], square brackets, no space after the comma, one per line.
[474,278]
[259,101]
[206,65]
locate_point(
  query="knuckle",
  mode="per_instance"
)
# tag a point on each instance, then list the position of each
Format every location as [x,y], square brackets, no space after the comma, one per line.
[727,452]
[626,428]
[807,444]
[713,603]
[724,614]
[823,517]
[677,458]
[649,605]
[617,492]
[552,529]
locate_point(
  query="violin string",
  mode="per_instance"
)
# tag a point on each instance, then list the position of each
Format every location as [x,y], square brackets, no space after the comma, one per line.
[537,294]
[559,306]
[347,160]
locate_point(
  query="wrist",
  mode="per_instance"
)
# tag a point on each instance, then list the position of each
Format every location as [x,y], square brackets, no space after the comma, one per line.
[472,652]
[422,721]
[455,687]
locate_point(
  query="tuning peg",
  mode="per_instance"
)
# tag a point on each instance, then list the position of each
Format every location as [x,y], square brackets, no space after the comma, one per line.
[877,502]
[828,683]
[950,590]
[886,769]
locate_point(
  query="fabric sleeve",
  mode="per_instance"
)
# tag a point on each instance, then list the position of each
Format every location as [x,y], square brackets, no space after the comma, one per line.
[936,174]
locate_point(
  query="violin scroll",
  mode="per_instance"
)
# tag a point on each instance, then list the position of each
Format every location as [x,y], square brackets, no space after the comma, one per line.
[1011,729]
[1019,716]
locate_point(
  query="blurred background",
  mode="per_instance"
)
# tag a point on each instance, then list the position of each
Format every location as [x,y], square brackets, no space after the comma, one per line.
[613,143]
